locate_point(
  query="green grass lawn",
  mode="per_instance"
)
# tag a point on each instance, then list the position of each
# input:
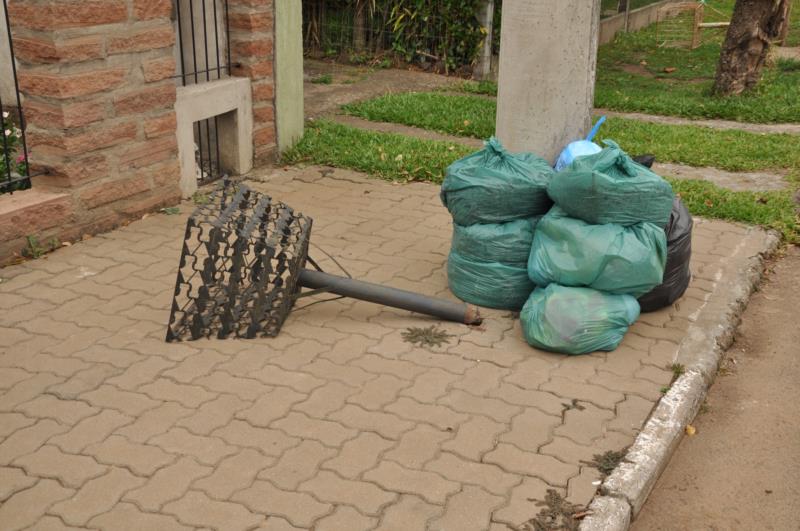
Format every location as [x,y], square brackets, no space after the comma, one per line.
[632,77]
[474,116]
[400,158]
[389,156]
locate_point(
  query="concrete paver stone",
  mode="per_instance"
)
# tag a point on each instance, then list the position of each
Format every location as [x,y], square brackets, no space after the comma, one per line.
[338,423]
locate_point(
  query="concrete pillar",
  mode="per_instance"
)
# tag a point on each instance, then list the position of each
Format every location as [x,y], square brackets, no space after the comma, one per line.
[288,72]
[548,55]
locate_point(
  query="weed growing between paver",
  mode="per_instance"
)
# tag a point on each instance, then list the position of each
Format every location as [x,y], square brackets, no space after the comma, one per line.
[401,158]
[431,336]
[36,249]
[556,513]
[606,462]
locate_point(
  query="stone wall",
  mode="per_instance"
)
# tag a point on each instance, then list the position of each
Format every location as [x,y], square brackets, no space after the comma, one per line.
[99,96]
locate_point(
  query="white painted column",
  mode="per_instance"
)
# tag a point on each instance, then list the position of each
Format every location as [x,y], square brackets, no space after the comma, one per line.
[548,57]
[289,72]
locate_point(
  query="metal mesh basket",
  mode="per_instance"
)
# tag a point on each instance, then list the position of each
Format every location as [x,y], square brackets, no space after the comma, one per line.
[241,257]
[242,267]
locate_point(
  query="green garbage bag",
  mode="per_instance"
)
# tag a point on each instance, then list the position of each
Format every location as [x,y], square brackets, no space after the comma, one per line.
[610,187]
[577,320]
[507,243]
[609,257]
[495,186]
[487,283]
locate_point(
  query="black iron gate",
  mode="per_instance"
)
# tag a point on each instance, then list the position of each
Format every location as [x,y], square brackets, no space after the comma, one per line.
[14,170]
[204,48]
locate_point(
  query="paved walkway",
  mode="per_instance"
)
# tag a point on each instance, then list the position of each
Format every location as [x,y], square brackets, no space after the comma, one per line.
[337,424]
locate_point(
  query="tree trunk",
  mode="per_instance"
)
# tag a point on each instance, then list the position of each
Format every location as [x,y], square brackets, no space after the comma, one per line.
[784,31]
[483,67]
[360,26]
[755,24]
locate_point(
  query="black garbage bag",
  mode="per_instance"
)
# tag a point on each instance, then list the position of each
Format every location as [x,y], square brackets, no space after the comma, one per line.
[679,250]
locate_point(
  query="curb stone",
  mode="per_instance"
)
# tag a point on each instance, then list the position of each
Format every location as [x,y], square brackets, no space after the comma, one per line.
[625,491]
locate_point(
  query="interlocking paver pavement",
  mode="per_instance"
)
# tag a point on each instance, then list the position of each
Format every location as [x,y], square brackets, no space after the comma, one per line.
[336,424]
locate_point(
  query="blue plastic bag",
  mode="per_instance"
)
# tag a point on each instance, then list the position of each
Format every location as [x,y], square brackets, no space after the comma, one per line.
[580,148]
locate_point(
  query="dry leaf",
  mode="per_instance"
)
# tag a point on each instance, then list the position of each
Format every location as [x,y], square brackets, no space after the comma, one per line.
[708,203]
[670,69]
[466,123]
[690,430]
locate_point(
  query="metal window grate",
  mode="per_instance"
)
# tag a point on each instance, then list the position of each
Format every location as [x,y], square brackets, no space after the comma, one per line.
[204,56]
[14,169]
[203,40]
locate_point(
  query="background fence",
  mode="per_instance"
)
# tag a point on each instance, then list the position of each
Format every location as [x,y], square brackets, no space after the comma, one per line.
[443,35]
[609,8]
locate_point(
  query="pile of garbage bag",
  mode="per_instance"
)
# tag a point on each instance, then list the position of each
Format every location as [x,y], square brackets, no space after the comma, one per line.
[496,199]
[581,251]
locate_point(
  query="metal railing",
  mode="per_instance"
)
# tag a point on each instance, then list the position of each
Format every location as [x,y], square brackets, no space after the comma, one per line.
[14,169]
[204,56]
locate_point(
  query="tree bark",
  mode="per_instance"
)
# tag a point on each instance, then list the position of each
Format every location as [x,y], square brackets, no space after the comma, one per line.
[784,30]
[483,67]
[755,24]
[360,26]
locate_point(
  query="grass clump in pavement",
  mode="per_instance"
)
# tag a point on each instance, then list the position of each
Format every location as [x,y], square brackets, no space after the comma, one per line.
[474,116]
[387,155]
[556,513]
[431,336]
[606,462]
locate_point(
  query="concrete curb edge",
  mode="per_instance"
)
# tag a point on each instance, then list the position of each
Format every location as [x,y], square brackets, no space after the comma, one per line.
[626,489]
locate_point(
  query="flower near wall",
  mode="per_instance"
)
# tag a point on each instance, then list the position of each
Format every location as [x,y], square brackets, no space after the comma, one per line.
[12,153]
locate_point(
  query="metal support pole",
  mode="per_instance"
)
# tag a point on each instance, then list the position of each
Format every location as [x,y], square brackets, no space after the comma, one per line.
[396,298]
